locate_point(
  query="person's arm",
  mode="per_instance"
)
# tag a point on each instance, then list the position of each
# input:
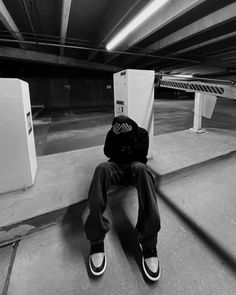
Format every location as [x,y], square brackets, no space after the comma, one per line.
[112,145]
[139,144]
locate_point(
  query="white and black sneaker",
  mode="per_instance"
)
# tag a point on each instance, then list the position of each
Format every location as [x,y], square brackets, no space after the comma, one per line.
[150,263]
[97,259]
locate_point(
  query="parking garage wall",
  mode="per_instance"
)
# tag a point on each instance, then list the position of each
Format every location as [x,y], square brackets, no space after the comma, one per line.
[58,87]
[70,93]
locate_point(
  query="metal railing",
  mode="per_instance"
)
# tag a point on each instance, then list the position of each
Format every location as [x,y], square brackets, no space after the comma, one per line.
[222,88]
[206,93]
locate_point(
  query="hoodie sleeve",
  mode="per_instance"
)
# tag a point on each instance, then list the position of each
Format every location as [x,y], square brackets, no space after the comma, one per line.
[112,145]
[139,144]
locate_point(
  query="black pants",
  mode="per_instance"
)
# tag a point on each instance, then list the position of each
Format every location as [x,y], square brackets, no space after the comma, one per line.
[137,174]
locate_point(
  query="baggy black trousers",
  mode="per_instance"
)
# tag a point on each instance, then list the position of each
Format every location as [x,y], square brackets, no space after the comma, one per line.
[139,175]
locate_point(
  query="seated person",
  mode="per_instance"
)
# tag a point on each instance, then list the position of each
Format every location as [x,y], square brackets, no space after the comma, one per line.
[126,146]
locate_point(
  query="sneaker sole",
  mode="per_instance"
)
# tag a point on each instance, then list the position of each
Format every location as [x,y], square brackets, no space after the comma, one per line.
[97,273]
[144,269]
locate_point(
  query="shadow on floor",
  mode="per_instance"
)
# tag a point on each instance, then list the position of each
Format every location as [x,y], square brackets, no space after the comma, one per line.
[127,236]
[74,235]
[222,254]
[75,238]
[72,230]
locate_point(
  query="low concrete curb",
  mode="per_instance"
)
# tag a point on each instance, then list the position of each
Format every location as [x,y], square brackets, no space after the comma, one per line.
[63,179]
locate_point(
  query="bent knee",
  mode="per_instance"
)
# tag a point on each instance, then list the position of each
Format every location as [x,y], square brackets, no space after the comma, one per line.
[139,167]
[102,167]
[142,170]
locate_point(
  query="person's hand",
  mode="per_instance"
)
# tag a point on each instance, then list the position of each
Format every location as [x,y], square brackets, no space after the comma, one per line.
[117,128]
[126,128]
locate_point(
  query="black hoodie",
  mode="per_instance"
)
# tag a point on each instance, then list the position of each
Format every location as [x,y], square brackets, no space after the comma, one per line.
[127,147]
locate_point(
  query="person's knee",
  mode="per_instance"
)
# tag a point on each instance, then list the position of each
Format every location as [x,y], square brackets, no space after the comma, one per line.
[102,169]
[102,166]
[141,171]
[140,168]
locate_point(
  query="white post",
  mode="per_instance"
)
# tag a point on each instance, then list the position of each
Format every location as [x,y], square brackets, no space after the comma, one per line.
[197,121]
[198,109]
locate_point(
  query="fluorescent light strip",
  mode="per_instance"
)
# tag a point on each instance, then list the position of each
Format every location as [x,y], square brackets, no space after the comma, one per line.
[137,21]
[183,76]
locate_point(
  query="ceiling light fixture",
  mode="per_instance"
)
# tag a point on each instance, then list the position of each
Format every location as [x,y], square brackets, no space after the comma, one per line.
[183,76]
[135,22]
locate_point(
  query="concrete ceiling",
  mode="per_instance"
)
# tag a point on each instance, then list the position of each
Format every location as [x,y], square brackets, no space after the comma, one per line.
[185,37]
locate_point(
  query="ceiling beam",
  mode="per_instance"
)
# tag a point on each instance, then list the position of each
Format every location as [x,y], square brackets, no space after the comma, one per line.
[197,46]
[195,70]
[169,12]
[227,55]
[206,23]
[9,23]
[66,5]
[51,59]
[222,51]
[116,20]
[208,42]
[93,54]
[207,62]
[220,16]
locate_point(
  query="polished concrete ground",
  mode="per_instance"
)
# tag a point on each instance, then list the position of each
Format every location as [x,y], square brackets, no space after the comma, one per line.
[197,245]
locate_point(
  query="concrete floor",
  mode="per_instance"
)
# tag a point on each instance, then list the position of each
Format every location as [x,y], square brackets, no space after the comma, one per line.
[198,236]
[82,130]
[197,245]
[64,178]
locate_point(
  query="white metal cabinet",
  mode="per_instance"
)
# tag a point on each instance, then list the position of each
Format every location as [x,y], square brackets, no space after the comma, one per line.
[18,164]
[134,97]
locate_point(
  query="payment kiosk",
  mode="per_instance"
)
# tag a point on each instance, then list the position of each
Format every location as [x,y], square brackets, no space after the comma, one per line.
[18,163]
[134,97]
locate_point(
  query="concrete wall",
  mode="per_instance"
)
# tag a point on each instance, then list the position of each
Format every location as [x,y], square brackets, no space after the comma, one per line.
[72,92]
[57,87]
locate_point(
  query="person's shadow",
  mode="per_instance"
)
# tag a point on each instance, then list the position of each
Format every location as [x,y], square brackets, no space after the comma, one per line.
[75,238]
[72,230]
[121,225]
[126,233]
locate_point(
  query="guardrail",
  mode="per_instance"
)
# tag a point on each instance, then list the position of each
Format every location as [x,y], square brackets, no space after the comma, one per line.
[215,89]
[206,93]
[222,88]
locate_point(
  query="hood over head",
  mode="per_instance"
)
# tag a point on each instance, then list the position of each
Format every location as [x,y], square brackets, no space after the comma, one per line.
[124,119]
